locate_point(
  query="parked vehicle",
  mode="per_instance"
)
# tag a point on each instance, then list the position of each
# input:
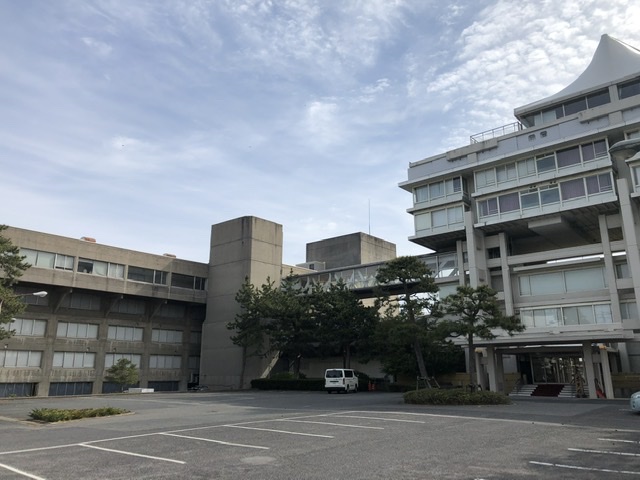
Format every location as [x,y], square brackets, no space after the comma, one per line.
[634,402]
[340,380]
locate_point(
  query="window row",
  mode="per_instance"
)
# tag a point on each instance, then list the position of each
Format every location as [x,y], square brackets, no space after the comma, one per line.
[569,107]
[567,281]
[547,195]
[37,328]
[33,359]
[89,266]
[441,189]
[551,161]
[594,314]
[444,217]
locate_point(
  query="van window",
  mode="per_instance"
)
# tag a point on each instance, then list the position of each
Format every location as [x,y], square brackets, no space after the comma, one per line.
[348,373]
[334,374]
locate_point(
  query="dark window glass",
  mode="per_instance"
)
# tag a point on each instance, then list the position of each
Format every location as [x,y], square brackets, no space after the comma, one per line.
[182,281]
[629,89]
[568,157]
[572,189]
[575,106]
[140,274]
[598,98]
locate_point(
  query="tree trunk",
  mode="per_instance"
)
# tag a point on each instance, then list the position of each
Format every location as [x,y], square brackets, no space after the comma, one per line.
[418,351]
[346,358]
[472,363]
[243,366]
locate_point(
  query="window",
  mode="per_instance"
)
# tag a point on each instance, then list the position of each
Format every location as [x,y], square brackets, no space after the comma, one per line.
[421,194]
[488,207]
[568,157]
[599,184]
[577,280]
[439,218]
[195,338]
[77,330]
[530,199]
[423,221]
[545,163]
[591,151]
[187,281]
[629,310]
[572,189]
[526,168]
[74,360]
[506,173]
[549,195]
[599,98]
[81,301]
[165,361]
[20,358]
[129,334]
[575,106]
[130,306]
[436,190]
[147,275]
[27,327]
[166,336]
[622,270]
[47,259]
[509,202]
[110,359]
[629,89]
[102,269]
[173,310]
[485,178]
[589,314]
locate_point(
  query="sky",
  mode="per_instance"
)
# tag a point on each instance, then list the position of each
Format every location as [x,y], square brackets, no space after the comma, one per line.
[142,123]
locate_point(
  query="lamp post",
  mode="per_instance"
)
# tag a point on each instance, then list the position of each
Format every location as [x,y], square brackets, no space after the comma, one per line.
[35,294]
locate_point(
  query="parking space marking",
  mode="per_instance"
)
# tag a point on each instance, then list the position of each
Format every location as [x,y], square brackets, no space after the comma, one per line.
[590,469]
[279,431]
[132,454]
[20,472]
[378,418]
[329,423]
[604,452]
[215,441]
[617,440]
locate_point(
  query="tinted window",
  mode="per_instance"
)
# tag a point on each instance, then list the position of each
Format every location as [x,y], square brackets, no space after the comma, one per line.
[333,374]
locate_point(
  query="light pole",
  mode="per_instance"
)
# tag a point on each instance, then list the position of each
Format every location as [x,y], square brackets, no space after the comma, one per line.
[35,294]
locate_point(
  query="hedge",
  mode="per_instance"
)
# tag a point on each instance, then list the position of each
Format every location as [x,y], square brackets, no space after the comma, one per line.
[60,415]
[435,396]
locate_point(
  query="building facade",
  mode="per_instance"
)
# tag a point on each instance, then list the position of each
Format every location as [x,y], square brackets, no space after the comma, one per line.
[166,315]
[545,211]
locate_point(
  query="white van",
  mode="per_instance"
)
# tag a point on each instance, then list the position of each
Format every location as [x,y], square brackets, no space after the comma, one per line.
[340,380]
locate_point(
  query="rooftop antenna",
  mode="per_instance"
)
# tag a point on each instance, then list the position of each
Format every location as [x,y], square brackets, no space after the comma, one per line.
[369,216]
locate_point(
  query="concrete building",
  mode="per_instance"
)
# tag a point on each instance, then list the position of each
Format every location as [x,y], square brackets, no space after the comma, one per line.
[165,314]
[545,211]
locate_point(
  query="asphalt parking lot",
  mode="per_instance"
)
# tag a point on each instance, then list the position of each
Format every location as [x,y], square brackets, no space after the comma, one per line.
[312,435]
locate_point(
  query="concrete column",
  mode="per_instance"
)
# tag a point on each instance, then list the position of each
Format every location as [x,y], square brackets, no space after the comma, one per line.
[587,358]
[476,253]
[606,372]
[500,373]
[244,248]
[492,369]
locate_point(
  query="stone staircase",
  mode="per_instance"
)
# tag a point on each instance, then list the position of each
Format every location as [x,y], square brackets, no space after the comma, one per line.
[544,390]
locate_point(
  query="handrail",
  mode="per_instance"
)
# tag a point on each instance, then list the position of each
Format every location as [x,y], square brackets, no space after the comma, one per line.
[496,132]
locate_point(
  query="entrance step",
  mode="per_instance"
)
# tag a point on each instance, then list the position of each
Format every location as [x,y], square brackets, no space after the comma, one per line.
[545,390]
[548,390]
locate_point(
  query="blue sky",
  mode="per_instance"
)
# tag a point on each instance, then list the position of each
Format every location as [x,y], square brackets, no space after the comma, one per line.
[142,123]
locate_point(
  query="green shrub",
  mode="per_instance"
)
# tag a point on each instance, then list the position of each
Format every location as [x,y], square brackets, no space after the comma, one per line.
[435,396]
[61,415]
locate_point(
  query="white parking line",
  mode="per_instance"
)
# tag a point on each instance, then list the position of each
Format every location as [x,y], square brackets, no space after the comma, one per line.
[590,469]
[328,423]
[378,418]
[604,452]
[20,472]
[619,441]
[215,441]
[279,431]
[132,454]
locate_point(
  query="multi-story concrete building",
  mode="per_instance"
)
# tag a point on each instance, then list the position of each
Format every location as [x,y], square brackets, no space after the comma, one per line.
[168,316]
[545,211]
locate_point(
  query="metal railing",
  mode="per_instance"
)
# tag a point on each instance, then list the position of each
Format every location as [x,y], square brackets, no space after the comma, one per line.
[496,132]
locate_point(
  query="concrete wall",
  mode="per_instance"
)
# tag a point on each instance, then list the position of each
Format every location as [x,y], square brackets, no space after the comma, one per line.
[247,247]
[353,249]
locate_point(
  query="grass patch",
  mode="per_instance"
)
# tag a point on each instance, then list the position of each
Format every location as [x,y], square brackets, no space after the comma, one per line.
[62,415]
[435,396]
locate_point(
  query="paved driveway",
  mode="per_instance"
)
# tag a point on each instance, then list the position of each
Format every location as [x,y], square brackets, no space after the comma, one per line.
[312,435]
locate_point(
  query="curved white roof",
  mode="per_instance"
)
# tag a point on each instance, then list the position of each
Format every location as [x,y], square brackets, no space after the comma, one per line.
[612,61]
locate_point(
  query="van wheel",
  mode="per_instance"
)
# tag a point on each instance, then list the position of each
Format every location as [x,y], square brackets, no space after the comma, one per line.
[355,389]
[346,390]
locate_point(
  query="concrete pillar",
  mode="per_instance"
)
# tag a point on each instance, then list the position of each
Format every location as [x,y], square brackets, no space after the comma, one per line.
[587,358]
[244,248]
[500,373]
[476,253]
[492,369]
[606,372]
